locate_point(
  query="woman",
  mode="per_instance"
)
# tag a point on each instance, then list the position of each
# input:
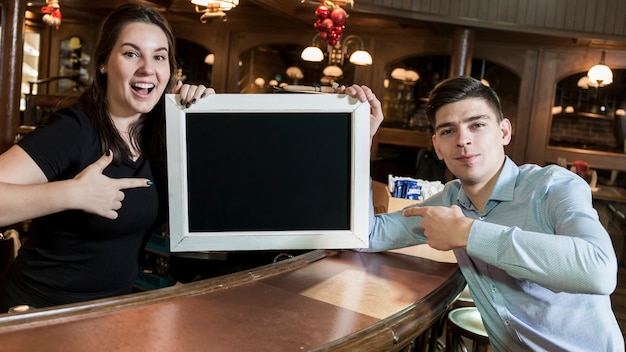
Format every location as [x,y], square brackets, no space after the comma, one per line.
[93,178]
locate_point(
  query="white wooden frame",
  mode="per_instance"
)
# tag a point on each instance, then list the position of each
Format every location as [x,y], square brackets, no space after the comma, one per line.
[182,240]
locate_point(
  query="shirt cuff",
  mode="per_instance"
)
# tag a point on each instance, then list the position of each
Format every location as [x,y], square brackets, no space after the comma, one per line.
[483,241]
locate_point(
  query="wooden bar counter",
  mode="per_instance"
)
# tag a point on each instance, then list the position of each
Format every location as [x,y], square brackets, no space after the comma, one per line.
[319,301]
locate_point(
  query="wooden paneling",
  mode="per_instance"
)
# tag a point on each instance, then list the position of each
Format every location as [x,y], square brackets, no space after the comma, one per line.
[587,18]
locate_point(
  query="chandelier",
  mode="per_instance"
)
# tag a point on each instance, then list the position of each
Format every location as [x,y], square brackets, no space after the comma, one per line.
[211,9]
[337,53]
[330,24]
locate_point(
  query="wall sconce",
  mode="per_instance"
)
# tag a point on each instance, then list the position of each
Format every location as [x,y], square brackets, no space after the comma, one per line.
[407,76]
[337,53]
[600,74]
[295,73]
[259,81]
[209,59]
[211,9]
[557,110]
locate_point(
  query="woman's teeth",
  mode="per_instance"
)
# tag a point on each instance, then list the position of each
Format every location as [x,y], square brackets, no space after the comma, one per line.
[143,86]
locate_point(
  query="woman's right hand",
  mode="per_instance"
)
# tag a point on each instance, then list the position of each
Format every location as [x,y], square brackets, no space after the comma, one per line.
[99,194]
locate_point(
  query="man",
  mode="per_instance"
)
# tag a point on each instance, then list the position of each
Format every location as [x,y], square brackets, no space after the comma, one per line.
[539,264]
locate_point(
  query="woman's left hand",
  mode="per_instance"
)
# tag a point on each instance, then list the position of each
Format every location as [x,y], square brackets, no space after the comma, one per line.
[190,94]
[364,93]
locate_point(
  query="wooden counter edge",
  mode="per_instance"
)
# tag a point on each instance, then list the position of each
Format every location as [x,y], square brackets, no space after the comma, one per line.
[106,305]
[398,330]
[389,334]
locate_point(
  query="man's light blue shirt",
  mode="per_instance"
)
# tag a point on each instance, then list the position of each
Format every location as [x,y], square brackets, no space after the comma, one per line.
[539,264]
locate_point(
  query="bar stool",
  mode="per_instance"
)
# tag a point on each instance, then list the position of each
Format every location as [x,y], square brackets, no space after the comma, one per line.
[465,323]
[435,338]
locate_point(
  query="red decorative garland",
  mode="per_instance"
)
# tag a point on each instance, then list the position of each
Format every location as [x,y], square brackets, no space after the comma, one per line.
[331,22]
[52,15]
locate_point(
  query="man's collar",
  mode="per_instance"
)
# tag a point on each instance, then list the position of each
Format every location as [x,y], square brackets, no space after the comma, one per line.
[503,191]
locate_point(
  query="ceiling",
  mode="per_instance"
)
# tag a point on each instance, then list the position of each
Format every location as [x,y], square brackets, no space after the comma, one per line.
[301,12]
[293,11]
[182,10]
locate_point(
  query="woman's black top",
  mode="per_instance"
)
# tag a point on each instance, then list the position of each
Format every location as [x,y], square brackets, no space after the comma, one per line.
[74,256]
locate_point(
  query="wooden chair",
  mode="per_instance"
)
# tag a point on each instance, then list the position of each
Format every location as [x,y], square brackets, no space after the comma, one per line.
[40,106]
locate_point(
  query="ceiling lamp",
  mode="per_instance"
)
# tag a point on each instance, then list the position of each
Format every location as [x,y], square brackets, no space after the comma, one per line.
[600,74]
[294,72]
[52,13]
[333,71]
[211,9]
[407,76]
[312,53]
[338,52]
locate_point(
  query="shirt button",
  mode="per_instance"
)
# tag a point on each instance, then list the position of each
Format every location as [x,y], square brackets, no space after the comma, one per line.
[507,322]
[493,289]
[481,218]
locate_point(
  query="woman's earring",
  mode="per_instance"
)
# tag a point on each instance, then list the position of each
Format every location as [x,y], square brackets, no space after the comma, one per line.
[102,69]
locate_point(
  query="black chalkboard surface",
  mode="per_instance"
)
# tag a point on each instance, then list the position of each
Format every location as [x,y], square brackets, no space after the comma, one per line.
[268,171]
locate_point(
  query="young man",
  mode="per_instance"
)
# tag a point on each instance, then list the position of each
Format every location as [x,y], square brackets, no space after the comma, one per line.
[538,262]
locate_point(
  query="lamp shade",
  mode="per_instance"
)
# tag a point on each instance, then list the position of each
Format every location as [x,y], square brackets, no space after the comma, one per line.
[294,72]
[361,57]
[223,5]
[398,73]
[209,59]
[601,75]
[405,75]
[312,53]
[411,76]
[333,71]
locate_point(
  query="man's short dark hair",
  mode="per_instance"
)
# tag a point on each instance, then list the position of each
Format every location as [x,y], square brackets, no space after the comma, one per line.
[454,89]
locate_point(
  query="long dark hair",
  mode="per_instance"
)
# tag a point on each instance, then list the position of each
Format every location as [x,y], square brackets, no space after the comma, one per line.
[148,133]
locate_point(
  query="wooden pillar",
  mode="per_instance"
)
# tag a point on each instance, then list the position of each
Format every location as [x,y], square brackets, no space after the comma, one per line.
[461,60]
[12,45]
